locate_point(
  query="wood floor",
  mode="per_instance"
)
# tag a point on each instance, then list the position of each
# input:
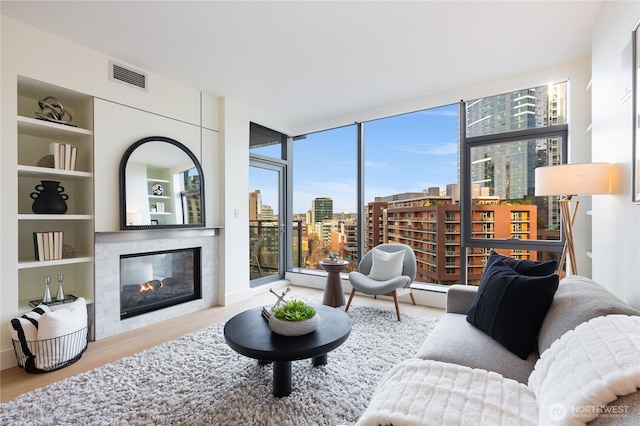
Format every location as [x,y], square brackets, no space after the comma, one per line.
[15,381]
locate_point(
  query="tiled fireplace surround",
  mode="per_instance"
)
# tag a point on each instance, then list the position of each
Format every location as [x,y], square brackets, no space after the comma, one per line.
[108,248]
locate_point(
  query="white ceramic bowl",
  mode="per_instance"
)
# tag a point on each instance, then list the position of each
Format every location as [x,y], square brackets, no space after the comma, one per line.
[294,328]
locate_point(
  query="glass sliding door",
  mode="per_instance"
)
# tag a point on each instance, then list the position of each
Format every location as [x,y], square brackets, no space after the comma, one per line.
[266,221]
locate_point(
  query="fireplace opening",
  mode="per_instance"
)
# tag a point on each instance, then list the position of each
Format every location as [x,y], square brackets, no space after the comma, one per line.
[156,280]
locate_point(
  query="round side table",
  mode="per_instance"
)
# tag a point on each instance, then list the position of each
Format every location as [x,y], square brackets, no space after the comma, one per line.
[333,294]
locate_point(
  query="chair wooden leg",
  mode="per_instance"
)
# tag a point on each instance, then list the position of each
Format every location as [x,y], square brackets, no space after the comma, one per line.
[412,299]
[350,298]
[395,300]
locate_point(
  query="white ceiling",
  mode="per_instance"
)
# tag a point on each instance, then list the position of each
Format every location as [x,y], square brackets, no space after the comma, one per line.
[309,61]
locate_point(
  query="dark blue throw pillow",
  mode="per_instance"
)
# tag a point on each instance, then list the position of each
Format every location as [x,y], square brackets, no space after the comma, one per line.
[510,306]
[524,267]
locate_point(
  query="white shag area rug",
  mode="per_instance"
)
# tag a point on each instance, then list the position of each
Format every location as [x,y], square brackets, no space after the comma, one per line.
[198,380]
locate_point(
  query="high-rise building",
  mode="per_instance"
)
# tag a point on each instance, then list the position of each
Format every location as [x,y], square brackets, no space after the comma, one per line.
[344,241]
[255,205]
[267,213]
[321,209]
[506,170]
[431,226]
[374,231]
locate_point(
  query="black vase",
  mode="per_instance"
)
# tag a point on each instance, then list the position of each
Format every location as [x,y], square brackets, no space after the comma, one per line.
[49,198]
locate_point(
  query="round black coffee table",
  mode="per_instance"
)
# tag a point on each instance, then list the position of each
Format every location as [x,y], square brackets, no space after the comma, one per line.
[248,333]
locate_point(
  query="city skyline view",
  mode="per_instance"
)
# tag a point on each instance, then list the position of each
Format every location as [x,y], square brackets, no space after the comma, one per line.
[405,153]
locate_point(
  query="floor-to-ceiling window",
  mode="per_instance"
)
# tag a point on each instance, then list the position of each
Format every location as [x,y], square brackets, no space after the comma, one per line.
[411,191]
[325,197]
[452,182]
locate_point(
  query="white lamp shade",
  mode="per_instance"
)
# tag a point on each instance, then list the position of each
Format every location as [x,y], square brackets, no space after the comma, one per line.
[573,179]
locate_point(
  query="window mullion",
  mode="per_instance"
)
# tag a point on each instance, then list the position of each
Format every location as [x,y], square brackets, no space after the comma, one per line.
[360,182]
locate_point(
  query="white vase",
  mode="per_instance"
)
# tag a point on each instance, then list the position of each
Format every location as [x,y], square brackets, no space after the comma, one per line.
[294,328]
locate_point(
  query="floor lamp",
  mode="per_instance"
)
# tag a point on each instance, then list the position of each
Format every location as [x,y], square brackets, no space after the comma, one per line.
[567,181]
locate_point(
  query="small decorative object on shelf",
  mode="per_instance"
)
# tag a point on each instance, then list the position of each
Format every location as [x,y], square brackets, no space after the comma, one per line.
[46,298]
[334,257]
[68,252]
[157,189]
[268,311]
[294,318]
[68,298]
[52,110]
[60,294]
[49,198]
[46,161]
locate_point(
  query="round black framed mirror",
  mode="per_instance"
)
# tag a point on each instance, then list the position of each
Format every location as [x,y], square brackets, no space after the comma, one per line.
[161,186]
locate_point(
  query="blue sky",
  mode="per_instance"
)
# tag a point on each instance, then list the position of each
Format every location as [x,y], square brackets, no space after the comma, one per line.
[406,153]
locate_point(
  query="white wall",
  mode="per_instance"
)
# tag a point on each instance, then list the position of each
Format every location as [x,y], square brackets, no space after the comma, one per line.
[616,222]
[235,235]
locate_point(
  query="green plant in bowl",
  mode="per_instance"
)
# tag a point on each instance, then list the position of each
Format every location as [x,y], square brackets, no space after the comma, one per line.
[294,310]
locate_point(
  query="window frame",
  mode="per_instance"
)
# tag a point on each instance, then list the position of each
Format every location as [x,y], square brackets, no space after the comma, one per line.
[466,205]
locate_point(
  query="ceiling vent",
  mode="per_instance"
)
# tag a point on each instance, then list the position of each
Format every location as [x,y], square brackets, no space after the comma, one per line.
[122,74]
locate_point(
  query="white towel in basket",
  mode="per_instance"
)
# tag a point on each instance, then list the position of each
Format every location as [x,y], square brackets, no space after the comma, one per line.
[29,323]
[61,324]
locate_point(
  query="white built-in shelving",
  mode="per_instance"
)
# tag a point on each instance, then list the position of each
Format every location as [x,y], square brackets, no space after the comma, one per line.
[35,137]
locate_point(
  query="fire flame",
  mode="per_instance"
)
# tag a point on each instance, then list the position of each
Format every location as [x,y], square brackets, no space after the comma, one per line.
[146,287]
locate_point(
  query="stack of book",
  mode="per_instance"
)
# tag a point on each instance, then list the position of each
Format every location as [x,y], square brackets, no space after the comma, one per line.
[64,155]
[48,245]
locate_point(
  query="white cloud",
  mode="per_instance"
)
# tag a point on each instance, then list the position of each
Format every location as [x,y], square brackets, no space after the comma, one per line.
[443,148]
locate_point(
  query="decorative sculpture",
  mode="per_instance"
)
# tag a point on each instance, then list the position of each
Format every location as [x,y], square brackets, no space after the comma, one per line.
[267,312]
[52,110]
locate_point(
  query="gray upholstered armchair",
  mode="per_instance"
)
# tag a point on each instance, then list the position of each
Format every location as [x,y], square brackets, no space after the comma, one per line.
[385,270]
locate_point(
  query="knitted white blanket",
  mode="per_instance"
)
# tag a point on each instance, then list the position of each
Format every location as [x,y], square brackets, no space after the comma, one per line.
[572,383]
[420,392]
[586,369]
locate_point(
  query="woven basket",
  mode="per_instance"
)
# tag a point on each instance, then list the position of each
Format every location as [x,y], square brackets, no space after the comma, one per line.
[42,356]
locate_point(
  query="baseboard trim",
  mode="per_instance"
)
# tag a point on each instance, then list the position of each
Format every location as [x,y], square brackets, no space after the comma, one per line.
[7,359]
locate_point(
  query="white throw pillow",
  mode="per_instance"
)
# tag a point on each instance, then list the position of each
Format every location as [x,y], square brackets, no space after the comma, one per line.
[386,266]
